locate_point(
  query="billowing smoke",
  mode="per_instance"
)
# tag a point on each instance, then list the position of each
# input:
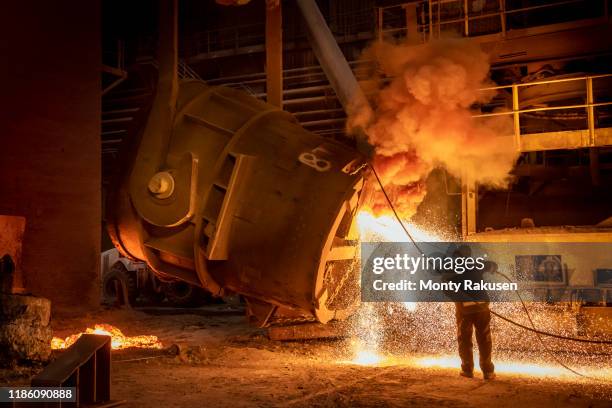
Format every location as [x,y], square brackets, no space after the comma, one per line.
[422,119]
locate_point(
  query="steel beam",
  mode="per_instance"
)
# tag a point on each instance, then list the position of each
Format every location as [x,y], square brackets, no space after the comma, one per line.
[593,152]
[332,60]
[274,53]
[412,24]
[469,203]
[86,365]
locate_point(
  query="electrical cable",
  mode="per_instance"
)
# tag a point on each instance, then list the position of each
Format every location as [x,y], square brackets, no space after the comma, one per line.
[393,207]
[539,333]
[496,314]
[548,334]
[539,336]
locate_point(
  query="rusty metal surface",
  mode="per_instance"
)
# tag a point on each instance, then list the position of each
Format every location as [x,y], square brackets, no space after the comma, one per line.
[307,331]
[86,365]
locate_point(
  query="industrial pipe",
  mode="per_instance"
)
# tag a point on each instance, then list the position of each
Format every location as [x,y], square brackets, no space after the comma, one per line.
[332,60]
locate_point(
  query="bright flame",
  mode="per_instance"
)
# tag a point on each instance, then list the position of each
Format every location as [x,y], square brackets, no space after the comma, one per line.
[510,367]
[373,227]
[387,228]
[367,357]
[118,339]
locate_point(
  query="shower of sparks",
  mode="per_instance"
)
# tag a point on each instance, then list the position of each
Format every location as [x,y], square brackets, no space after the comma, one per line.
[367,357]
[387,228]
[368,328]
[367,336]
[422,335]
[118,339]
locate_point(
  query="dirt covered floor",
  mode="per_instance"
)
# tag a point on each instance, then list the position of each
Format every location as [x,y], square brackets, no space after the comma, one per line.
[223,362]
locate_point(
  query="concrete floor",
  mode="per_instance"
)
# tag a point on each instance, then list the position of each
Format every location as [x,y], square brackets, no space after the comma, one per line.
[223,362]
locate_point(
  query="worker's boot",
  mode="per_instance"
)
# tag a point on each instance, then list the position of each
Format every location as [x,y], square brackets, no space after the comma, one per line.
[489,376]
[467,374]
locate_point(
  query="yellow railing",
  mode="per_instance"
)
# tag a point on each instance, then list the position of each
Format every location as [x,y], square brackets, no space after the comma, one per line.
[516,111]
[432,23]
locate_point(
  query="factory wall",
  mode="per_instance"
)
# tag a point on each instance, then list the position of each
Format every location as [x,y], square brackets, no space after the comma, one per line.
[50,144]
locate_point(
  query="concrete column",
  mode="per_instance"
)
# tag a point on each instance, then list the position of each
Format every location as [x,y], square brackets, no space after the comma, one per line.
[50,144]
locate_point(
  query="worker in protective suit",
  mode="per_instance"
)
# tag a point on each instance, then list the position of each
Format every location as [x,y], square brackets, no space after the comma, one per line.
[474,316]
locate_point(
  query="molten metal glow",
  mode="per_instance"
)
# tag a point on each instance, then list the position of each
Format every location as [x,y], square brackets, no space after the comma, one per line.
[387,228]
[508,367]
[118,339]
[367,357]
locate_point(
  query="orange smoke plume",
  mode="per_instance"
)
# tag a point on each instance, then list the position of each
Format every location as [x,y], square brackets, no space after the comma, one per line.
[423,119]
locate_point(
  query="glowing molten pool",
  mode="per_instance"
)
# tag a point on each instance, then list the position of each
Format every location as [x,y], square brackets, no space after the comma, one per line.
[118,339]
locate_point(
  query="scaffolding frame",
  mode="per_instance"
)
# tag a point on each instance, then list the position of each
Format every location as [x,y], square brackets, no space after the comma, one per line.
[591,137]
[568,139]
[432,24]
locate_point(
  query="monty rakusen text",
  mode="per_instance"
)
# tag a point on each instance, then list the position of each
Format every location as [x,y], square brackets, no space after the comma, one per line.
[459,265]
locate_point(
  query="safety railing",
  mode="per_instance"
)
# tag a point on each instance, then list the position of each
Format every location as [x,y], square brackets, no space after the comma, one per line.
[344,26]
[587,137]
[113,54]
[113,62]
[186,72]
[481,17]
[227,38]
[592,102]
